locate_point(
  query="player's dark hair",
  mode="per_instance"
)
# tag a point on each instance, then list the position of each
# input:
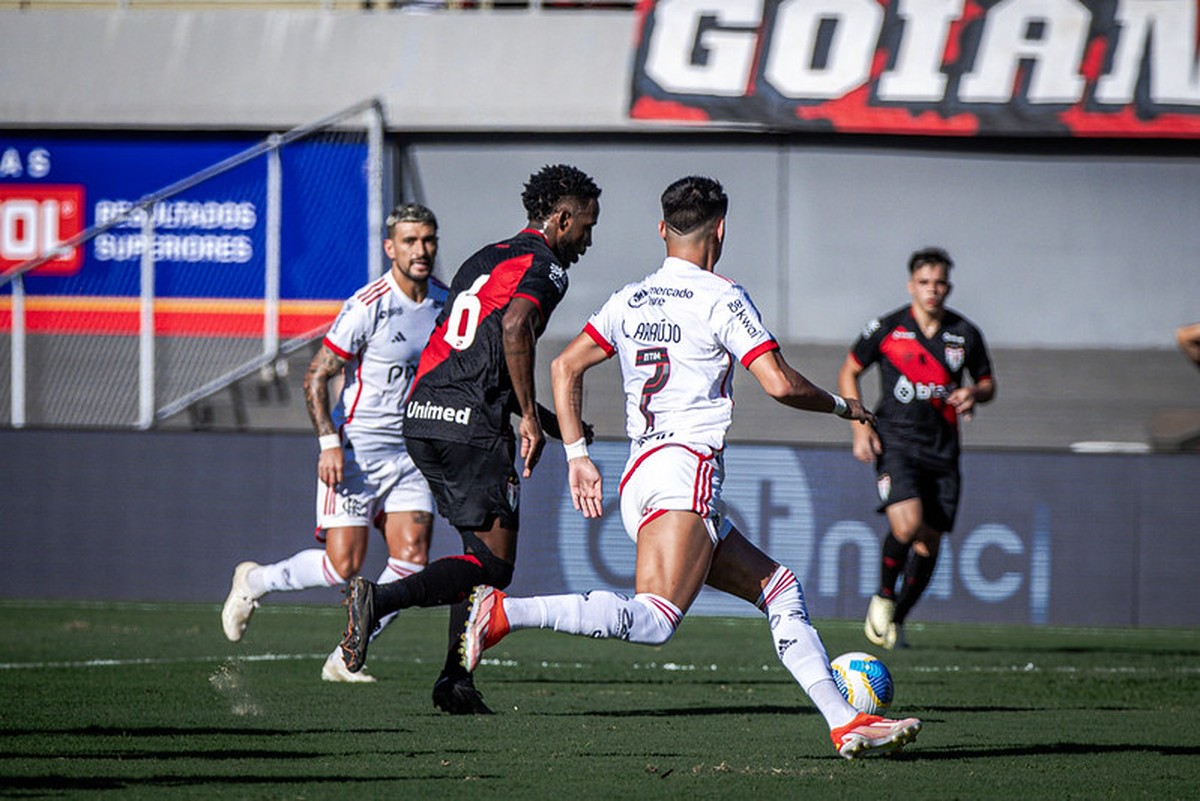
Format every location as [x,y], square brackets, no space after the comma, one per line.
[692,202]
[551,185]
[934,256]
[409,212]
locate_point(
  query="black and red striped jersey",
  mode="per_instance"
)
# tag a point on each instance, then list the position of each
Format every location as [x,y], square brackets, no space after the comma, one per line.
[917,374]
[462,391]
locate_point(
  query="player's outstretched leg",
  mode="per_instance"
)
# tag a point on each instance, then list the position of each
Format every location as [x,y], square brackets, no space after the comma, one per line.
[868,735]
[360,621]
[486,625]
[240,603]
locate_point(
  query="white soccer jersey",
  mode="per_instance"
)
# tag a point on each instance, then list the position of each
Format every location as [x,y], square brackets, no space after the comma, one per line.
[380,332]
[677,332]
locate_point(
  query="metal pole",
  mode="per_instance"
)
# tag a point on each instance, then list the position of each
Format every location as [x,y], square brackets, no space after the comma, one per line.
[273,255]
[18,353]
[146,326]
[374,191]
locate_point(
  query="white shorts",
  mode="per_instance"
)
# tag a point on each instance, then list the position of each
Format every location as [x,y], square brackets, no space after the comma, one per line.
[673,477]
[370,487]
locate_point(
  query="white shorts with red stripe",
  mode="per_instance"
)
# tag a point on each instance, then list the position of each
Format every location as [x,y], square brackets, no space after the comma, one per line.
[371,487]
[669,477]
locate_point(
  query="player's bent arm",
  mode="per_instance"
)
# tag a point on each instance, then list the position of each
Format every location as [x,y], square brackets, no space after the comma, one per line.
[785,384]
[324,366]
[865,444]
[520,350]
[566,382]
[847,380]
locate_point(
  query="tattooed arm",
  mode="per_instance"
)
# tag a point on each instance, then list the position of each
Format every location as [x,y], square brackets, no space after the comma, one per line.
[324,366]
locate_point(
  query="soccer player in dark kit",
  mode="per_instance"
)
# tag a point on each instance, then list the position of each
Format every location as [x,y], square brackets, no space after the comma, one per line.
[475,373]
[923,351]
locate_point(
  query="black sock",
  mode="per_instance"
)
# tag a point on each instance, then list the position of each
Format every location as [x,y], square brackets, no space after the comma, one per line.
[916,579]
[444,581]
[458,620]
[895,554]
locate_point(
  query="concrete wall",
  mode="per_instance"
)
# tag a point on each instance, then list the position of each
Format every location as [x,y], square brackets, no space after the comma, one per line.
[252,69]
[1057,539]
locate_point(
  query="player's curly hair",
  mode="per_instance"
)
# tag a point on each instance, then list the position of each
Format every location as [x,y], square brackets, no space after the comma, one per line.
[930,255]
[692,202]
[552,184]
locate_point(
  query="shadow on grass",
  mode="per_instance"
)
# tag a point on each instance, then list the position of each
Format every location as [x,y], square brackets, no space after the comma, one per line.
[33,784]
[188,731]
[701,711]
[1046,749]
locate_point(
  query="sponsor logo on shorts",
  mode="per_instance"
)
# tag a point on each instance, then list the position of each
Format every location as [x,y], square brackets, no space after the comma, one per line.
[884,485]
[432,411]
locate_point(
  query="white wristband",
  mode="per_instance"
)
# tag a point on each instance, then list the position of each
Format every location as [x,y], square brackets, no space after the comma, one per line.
[840,407]
[329,441]
[576,449]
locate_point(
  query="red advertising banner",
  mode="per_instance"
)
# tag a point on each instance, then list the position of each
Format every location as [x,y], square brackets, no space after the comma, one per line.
[1084,68]
[35,219]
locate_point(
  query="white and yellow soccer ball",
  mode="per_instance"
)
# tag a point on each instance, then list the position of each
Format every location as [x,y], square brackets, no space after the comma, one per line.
[864,681]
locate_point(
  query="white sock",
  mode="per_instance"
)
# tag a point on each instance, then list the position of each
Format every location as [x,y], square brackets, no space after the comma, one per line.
[308,568]
[394,570]
[800,648]
[646,618]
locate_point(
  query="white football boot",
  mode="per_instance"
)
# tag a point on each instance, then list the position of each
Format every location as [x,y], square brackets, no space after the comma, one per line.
[879,627]
[240,603]
[335,669]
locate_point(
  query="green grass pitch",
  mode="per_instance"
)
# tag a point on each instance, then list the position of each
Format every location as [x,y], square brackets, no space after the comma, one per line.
[120,700]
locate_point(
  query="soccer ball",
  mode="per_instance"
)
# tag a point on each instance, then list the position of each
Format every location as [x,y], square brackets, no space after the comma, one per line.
[864,681]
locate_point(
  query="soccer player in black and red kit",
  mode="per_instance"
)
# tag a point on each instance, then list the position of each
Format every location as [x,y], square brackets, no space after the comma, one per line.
[923,351]
[475,373]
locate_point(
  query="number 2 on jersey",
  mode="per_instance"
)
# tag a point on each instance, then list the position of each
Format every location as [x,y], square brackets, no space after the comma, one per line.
[463,321]
[661,360]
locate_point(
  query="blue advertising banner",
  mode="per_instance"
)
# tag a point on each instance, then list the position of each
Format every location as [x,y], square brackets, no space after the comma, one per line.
[209,241]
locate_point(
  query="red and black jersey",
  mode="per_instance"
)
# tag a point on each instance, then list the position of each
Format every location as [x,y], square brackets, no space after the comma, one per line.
[917,375]
[462,391]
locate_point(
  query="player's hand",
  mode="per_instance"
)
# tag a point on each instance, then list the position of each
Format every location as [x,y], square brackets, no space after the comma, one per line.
[867,445]
[856,411]
[532,442]
[330,466]
[962,400]
[587,492]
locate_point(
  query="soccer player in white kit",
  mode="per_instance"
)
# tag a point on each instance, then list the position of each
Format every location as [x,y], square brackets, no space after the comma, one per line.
[678,333]
[364,473]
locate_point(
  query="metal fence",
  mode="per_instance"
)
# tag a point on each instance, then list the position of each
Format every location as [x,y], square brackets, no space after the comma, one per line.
[140,379]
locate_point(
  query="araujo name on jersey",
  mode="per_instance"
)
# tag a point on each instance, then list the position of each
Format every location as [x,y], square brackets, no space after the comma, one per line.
[658,332]
[432,411]
[983,65]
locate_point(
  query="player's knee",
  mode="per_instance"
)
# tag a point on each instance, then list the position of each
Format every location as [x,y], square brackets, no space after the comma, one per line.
[497,572]
[654,623]
[347,565]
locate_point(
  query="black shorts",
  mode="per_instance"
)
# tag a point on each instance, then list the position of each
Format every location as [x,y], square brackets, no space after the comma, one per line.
[472,485]
[900,477]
